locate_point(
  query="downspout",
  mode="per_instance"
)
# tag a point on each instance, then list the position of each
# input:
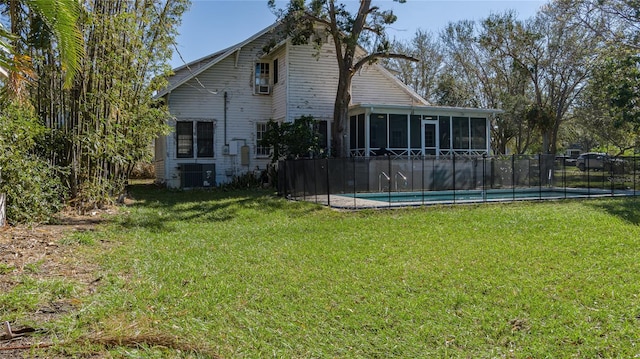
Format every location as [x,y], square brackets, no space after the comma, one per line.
[225,119]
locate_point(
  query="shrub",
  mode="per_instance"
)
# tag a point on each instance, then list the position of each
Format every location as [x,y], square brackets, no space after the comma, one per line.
[32,186]
[290,140]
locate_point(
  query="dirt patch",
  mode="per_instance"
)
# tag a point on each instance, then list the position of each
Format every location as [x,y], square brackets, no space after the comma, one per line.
[41,253]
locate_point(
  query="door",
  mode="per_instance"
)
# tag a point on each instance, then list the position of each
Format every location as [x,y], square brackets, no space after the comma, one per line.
[430,141]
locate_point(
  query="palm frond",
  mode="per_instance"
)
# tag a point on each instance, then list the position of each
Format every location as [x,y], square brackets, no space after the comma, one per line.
[61,17]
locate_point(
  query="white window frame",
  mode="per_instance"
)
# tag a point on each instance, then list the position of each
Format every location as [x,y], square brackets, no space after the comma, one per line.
[261,151]
[262,76]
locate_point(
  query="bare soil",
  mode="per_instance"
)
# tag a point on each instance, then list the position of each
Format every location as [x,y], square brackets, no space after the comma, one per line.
[37,252]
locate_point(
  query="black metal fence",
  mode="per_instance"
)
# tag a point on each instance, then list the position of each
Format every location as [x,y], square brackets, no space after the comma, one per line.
[401,181]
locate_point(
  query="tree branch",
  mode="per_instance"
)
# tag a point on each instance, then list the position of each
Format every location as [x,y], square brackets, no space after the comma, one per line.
[336,34]
[381,55]
[309,16]
[372,29]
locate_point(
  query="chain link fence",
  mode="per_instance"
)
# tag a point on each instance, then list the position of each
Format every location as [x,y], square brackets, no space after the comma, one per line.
[409,181]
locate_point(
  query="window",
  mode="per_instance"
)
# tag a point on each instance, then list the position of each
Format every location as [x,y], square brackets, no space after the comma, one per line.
[205,139]
[445,132]
[460,132]
[184,133]
[275,71]
[261,129]
[322,130]
[378,131]
[398,131]
[361,130]
[262,78]
[356,131]
[353,133]
[416,128]
[478,133]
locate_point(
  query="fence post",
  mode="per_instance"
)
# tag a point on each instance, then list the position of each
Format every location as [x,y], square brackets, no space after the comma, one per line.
[390,177]
[564,176]
[612,175]
[453,165]
[540,175]
[315,179]
[484,177]
[283,170]
[328,187]
[304,181]
[513,177]
[422,179]
[353,160]
[588,177]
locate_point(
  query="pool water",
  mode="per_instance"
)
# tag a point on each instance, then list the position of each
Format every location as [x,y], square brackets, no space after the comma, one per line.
[480,196]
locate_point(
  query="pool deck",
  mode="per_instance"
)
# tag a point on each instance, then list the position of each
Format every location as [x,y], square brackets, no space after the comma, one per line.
[349,202]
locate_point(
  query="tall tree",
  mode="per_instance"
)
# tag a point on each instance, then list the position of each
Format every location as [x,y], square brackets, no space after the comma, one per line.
[422,76]
[479,78]
[616,21]
[610,105]
[556,55]
[106,121]
[348,30]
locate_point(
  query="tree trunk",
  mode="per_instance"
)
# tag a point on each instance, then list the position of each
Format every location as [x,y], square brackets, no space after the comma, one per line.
[546,142]
[340,128]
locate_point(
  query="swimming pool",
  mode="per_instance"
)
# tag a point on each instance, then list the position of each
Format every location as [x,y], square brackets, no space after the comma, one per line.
[397,199]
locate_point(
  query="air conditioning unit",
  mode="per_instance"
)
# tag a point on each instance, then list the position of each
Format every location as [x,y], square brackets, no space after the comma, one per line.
[196,175]
[264,90]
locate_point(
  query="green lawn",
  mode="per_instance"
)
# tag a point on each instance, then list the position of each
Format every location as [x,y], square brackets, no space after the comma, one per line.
[244,274]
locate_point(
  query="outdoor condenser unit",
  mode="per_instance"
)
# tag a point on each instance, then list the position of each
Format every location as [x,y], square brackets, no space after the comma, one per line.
[197,175]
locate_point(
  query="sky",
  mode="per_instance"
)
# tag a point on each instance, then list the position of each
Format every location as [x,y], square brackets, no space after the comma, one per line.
[212,25]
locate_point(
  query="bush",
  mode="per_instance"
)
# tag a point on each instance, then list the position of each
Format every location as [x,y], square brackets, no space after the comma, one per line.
[32,186]
[243,181]
[290,140]
[143,170]
[33,189]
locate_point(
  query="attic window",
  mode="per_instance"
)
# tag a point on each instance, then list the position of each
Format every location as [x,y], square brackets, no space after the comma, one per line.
[262,78]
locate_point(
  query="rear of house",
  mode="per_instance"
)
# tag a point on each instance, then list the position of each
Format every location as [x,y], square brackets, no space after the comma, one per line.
[220,106]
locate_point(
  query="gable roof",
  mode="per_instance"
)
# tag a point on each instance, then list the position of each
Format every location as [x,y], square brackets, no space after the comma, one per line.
[189,71]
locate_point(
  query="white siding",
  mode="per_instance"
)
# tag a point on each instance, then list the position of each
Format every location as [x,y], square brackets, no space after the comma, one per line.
[204,100]
[370,85]
[312,82]
[307,86]
[160,153]
[279,95]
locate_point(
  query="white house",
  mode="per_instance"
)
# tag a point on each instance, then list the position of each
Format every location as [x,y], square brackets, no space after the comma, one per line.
[220,105]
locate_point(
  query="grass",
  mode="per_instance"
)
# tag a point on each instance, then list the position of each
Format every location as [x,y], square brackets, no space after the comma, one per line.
[243,274]
[30,295]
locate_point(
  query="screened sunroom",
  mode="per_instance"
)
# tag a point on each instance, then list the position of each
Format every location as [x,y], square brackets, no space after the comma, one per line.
[376,130]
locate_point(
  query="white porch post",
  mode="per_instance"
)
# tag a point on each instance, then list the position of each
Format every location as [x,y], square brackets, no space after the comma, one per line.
[409,134]
[488,121]
[367,132]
